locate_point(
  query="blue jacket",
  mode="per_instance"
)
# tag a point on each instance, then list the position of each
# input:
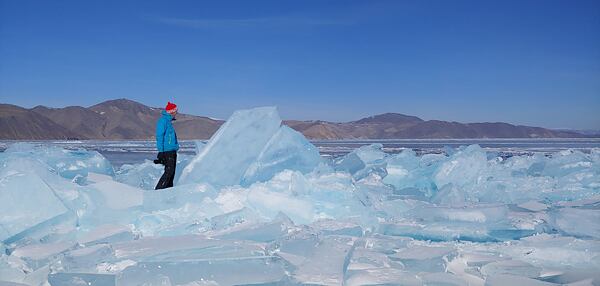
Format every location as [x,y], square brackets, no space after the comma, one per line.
[166,139]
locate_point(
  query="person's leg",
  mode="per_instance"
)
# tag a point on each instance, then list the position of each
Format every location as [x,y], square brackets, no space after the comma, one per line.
[170,168]
[166,179]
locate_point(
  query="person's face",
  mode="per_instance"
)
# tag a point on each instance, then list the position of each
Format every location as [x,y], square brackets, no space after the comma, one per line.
[173,113]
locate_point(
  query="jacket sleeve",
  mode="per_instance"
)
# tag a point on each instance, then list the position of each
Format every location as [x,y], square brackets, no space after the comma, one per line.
[161,128]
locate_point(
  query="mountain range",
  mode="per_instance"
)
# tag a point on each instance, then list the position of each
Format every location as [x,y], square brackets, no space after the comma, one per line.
[122,119]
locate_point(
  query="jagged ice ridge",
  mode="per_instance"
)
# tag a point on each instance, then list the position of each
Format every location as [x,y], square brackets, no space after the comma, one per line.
[258,205]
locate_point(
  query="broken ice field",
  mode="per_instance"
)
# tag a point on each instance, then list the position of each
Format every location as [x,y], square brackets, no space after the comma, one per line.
[258,205]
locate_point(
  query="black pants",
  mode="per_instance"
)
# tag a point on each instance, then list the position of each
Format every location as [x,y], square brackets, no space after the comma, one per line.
[169,159]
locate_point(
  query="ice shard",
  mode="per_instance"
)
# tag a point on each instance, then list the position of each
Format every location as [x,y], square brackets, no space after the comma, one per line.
[233,148]
[27,202]
[287,149]
[362,162]
[411,175]
[462,168]
[67,163]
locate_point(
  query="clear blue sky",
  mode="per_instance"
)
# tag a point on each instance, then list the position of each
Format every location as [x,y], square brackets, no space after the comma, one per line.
[523,62]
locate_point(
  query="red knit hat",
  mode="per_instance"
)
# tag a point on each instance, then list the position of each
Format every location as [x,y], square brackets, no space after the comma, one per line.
[171,106]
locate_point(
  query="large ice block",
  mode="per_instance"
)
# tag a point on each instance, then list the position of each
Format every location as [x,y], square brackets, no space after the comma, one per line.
[109,202]
[305,198]
[287,149]
[118,196]
[144,175]
[233,148]
[29,166]
[364,161]
[271,203]
[411,175]
[317,261]
[186,259]
[578,222]
[68,163]
[27,201]
[463,168]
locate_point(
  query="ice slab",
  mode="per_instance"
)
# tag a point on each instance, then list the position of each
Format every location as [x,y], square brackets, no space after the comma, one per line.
[84,260]
[96,178]
[144,175]
[324,263]
[69,279]
[533,206]
[364,161]
[464,167]
[263,232]
[68,163]
[12,269]
[241,271]
[507,279]
[383,276]
[36,255]
[512,267]
[287,149]
[185,259]
[549,251]
[441,278]
[106,234]
[8,283]
[587,222]
[233,148]
[338,227]
[371,154]
[109,202]
[41,251]
[271,203]
[21,196]
[185,247]
[350,163]
[411,175]
[424,257]
[118,196]
[177,196]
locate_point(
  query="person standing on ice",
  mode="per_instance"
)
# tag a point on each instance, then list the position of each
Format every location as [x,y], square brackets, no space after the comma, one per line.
[167,145]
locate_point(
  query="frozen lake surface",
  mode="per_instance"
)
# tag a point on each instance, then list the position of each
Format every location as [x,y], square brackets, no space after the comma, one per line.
[130,152]
[260,205]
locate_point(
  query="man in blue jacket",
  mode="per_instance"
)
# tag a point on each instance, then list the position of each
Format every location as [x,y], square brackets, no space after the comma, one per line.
[167,145]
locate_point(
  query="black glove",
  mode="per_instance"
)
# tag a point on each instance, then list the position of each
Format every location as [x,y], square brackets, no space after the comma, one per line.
[159,158]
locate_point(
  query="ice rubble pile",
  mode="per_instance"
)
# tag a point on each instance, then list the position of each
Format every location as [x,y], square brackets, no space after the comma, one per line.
[258,205]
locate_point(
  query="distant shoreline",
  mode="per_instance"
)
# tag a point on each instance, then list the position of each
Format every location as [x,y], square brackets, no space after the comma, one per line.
[124,119]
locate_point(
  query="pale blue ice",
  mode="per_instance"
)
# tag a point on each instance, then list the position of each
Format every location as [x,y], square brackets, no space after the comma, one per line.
[258,205]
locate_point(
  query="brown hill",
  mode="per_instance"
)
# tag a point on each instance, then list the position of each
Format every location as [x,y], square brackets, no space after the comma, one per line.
[22,124]
[124,119]
[127,119]
[79,120]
